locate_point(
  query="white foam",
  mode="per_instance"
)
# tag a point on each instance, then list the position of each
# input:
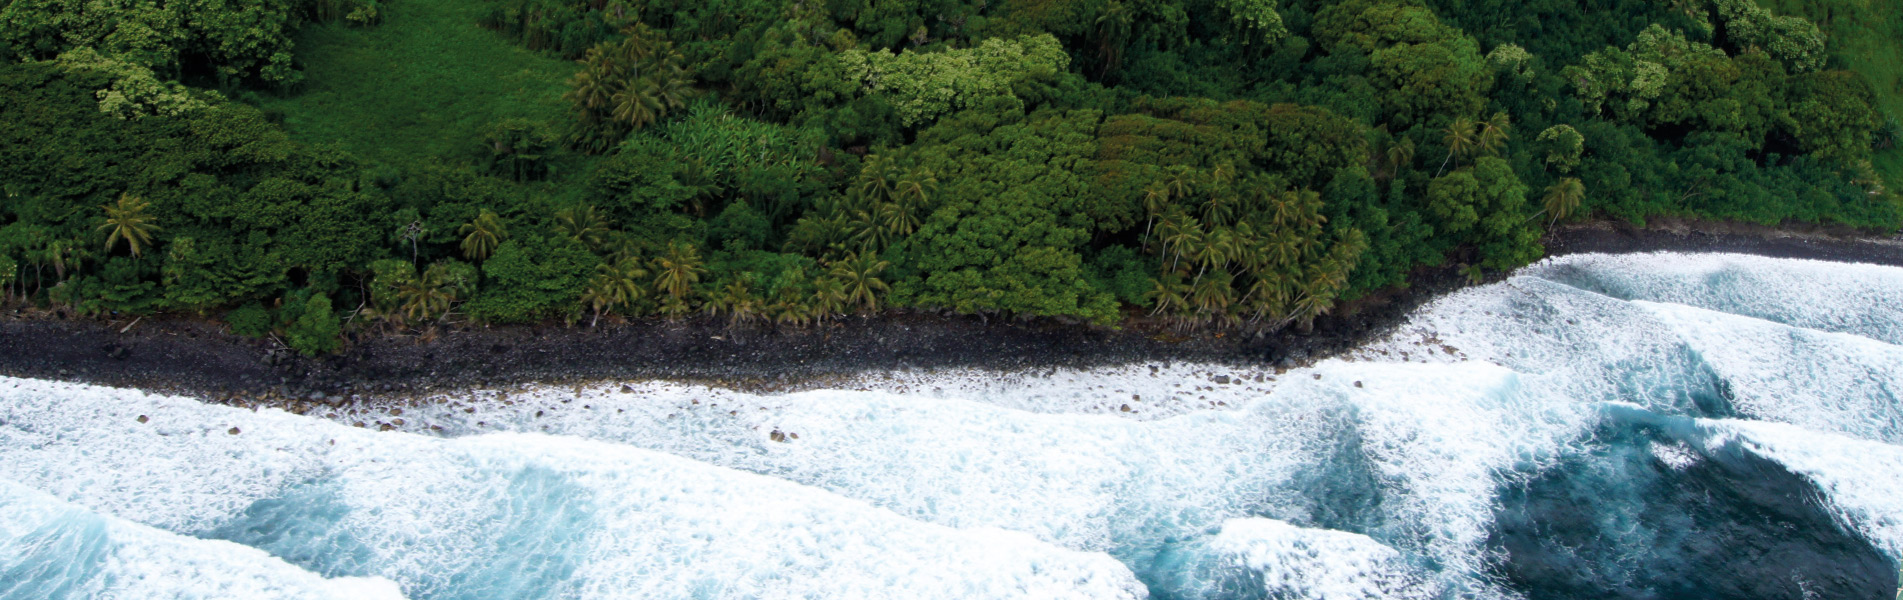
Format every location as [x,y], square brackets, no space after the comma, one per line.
[1431,432]
[1676,455]
[1139,391]
[1821,381]
[506,514]
[1269,558]
[1852,298]
[1592,347]
[1084,481]
[55,549]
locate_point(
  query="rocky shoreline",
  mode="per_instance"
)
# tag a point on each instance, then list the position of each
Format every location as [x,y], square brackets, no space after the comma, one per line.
[199,357]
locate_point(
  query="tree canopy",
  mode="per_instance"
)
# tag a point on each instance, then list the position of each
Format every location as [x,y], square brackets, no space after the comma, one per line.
[1206,163]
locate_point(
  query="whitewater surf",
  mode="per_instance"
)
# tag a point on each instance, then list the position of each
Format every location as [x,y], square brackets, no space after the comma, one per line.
[1634,426]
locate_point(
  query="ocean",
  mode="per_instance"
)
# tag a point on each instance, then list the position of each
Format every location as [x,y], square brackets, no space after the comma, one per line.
[1655,426]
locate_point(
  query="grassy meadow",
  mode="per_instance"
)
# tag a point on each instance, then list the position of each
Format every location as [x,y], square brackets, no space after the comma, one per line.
[423,83]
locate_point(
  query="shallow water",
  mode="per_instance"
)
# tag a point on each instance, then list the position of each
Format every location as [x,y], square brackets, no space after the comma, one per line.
[1653,426]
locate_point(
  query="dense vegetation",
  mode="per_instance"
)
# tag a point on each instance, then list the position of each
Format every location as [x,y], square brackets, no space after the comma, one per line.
[310,167]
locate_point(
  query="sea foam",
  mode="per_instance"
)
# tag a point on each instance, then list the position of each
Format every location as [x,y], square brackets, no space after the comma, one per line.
[504,514]
[54,549]
[1851,298]
[1379,474]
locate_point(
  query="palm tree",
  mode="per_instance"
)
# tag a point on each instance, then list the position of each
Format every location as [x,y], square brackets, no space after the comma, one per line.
[878,179]
[1400,154]
[1283,208]
[1309,205]
[867,229]
[669,85]
[627,274]
[1251,249]
[818,235]
[1224,173]
[909,197]
[1269,296]
[789,312]
[1156,198]
[593,88]
[1317,297]
[1181,234]
[737,300]
[898,219]
[127,221]
[426,295]
[1493,134]
[675,308]
[482,235]
[916,185]
[1562,198]
[583,225]
[1180,183]
[677,271]
[1459,139]
[1215,250]
[1220,209]
[599,295]
[636,105]
[615,285]
[1212,296]
[1284,248]
[859,273]
[829,297]
[1169,294]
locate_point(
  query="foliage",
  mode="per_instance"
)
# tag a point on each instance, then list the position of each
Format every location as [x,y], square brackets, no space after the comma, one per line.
[1210,163]
[532,278]
[127,221]
[134,90]
[1562,146]
[518,149]
[423,84]
[1798,43]
[312,328]
[626,86]
[239,39]
[250,320]
[922,86]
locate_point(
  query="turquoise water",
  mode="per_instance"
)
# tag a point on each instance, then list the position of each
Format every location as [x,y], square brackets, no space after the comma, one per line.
[1658,426]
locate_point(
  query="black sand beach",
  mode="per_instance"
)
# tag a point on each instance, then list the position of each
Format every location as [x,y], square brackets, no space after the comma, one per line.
[199,357]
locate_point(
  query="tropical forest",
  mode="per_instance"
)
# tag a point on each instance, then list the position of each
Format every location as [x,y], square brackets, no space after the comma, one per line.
[314,170]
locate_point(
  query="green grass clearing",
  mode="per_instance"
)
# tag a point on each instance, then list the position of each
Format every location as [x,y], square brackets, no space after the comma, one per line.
[422,84]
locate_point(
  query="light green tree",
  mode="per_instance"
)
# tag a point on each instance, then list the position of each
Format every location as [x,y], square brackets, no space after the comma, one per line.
[1563,147]
[925,85]
[127,221]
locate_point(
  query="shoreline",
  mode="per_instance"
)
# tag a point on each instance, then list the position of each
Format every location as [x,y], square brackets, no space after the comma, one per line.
[197,357]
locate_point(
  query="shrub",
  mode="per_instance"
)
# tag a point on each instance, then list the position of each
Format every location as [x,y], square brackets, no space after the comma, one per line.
[250,320]
[315,330]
